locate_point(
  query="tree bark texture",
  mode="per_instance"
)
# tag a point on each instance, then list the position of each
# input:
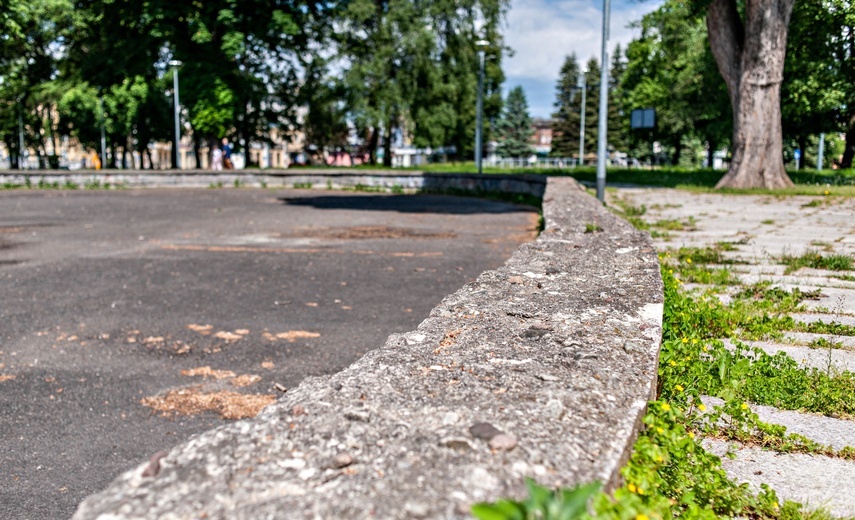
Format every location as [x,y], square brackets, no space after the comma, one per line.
[750,57]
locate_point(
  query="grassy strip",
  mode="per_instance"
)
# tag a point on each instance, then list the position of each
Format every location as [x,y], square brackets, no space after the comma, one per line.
[816,260]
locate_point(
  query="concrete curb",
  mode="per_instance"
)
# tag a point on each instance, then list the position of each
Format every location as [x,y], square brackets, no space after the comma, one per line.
[407,180]
[541,368]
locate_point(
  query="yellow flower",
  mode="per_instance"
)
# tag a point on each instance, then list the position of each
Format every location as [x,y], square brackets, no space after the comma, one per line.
[665,407]
[659,458]
[640,491]
[670,271]
[672,363]
[688,260]
[694,341]
[679,388]
[691,435]
[685,340]
[631,487]
[826,192]
[641,516]
[744,406]
[702,407]
[706,349]
[660,430]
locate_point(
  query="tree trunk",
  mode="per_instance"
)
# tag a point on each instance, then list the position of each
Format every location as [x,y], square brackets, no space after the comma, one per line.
[750,58]
[849,148]
[711,146]
[387,147]
[372,146]
[678,152]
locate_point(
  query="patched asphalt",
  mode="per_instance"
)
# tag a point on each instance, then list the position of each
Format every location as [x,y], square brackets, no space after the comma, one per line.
[106,296]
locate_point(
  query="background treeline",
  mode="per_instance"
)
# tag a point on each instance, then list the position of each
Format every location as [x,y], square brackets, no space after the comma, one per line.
[387,66]
[670,67]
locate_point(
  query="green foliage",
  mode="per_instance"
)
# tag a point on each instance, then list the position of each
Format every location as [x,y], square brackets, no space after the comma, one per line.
[541,504]
[514,128]
[591,227]
[816,260]
[567,120]
[670,68]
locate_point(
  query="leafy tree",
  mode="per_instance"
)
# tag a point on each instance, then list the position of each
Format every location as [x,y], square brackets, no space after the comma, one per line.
[618,126]
[413,67]
[566,126]
[592,105]
[29,61]
[514,128]
[671,69]
[819,85]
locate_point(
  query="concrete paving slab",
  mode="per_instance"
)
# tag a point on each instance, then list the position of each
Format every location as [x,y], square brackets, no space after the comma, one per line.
[824,318]
[828,431]
[837,341]
[832,360]
[813,480]
[795,280]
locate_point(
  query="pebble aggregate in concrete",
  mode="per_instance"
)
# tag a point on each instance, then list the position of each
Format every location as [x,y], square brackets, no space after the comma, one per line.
[573,318]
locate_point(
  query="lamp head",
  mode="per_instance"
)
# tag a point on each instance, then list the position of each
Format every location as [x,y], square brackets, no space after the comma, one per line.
[175,63]
[482,44]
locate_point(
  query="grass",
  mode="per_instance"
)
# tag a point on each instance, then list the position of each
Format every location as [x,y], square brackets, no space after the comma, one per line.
[816,260]
[590,227]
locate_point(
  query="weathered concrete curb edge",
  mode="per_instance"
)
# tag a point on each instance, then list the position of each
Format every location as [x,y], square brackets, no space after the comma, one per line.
[407,180]
[557,350]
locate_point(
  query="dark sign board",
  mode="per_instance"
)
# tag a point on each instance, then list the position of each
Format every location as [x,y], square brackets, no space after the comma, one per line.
[642,118]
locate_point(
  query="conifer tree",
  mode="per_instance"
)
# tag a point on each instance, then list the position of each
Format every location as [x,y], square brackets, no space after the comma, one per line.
[568,99]
[515,130]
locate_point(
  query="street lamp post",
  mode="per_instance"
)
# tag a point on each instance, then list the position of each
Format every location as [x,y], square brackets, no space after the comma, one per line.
[175,64]
[604,106]
[584,89]
[21,146]
[103,133]
[479,122]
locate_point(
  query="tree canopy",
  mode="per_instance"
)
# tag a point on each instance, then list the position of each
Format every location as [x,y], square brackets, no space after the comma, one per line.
[384,68]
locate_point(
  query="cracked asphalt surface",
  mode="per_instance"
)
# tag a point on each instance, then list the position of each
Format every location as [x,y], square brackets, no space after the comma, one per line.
[107,296]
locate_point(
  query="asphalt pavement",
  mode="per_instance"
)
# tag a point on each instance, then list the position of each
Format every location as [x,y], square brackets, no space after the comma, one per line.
[132,319]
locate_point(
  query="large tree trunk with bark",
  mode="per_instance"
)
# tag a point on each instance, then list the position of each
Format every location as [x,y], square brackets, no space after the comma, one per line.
[750,56]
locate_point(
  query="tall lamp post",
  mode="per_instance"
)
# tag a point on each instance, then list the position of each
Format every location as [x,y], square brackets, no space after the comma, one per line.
[175,64]
[584,89]
[604,106]
[103,132]
[479,121]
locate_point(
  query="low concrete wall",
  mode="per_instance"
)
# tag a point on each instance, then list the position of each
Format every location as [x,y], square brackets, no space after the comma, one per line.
[316,178]
[541,368]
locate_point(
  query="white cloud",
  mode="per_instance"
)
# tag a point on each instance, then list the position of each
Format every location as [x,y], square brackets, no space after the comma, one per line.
[543,32]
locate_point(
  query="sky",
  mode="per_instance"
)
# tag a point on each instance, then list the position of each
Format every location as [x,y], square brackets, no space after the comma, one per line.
[543,32]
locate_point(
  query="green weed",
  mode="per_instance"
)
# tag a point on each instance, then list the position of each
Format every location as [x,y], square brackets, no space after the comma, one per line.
[591,227]
[816,260]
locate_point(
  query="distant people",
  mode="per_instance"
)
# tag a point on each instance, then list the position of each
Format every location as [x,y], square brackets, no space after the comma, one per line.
[227,155]
[217,159]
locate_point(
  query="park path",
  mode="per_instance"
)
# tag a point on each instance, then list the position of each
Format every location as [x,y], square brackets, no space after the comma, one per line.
[764,228]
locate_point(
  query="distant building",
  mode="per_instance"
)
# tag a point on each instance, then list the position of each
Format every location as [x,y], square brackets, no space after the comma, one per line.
[541,139]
